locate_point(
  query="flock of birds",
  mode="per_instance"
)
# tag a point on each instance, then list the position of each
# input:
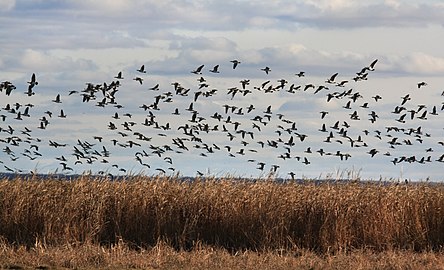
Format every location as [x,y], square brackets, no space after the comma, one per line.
[261,137]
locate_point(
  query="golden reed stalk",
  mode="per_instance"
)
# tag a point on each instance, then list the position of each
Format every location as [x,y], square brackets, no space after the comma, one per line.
[226,213]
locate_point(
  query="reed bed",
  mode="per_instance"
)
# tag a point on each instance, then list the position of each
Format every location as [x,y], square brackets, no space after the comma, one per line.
[162,256]
[229,214]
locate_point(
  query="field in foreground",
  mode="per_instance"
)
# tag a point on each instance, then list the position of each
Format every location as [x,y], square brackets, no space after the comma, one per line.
[230,221]
[162,256]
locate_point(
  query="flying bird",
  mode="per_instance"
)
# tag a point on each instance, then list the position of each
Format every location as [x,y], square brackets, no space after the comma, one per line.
[332,78]
[198,70]
[119,76]
[215,69]
[300,74]
[33,81]
[57,99]
[371,67]
[235,63]
[138,79]
[266,69]
[142,69]
[421,84]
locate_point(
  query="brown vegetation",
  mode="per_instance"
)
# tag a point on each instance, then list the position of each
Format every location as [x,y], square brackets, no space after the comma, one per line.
[162,256]
[224,214]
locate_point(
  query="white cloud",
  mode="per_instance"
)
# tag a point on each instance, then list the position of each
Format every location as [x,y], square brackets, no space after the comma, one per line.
[393,3]
[414,64]
[113,6]
[351,14]
[6,5]
[424,63]
[333,4]
[46,62]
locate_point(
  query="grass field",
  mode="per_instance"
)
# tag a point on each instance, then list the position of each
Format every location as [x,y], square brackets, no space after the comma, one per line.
[141,221]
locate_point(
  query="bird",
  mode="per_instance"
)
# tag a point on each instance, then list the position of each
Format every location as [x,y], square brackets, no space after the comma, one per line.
[405,99]
[138,79]
[323,114]
[377,97]
[154,88]
[8,86]
[142,69]
[235,63]
[342,83]
[215,69]
[261,166]
[371,67]
[198,70]
[57,99]
[266,69]
[300,74]
[373,152]
[62,114]
[332,78]
[33,81]
[421,84]
[268,111]
[119,76]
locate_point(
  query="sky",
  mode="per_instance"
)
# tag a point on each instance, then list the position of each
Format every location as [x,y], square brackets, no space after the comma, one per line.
[68,44]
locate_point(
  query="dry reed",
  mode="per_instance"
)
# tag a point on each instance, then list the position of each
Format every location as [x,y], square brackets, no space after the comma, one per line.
[223,213]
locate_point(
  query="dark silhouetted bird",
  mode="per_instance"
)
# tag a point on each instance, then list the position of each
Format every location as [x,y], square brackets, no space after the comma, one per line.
[142,69]
[266,69]
[198,70]
[235,63]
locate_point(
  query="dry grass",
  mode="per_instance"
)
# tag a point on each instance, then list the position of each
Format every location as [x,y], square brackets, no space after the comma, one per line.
[225,215]
[162,256]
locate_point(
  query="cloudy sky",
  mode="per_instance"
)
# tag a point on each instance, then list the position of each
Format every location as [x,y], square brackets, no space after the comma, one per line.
[68,44]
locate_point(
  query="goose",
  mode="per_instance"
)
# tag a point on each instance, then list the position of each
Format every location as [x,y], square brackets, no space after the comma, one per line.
[323,114]
[62,114]
[215,69]
[33,81]
[142,69]
[119,76]
[235,63]
[57,99]
[154,88]
[266,69]
[371,67]
[138,79]
[198,70]
[421,84]
[300,74]
[331,80]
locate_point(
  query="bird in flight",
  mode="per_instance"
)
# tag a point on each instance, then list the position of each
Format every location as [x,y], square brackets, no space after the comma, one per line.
[266,69]
[33,81]
[138,79]
[371,67]
[235,63]
[142,69]
[332,79]
[300,74]
[421,84]
[198,70]
[215,69]
[57,99]
[119,76]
